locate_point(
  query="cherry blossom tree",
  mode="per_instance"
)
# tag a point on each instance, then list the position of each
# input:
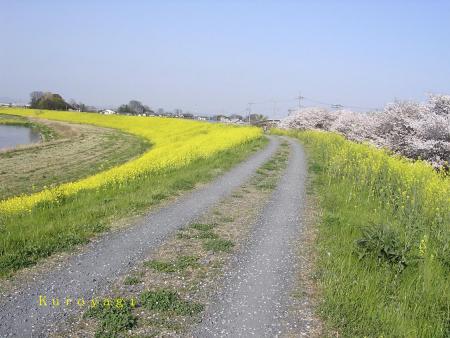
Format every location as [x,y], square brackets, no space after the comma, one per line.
[415,130]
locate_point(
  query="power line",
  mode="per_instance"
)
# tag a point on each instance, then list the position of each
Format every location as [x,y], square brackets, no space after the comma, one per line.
[300,98]
[339,106]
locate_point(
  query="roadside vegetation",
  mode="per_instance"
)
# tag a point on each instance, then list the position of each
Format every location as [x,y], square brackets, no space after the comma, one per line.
[383,242]
[183,153]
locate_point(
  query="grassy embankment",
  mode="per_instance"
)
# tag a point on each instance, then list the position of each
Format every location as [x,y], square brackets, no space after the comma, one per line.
[183,154]
[384,240]
[69,152]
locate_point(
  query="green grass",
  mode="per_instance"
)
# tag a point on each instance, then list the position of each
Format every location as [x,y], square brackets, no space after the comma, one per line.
[218,245]
[26,238]
[116,316]
[180,264]
[211,240]
[203,231]
[113,320]
[168,301]
[131,280]
[383,245]
[372,284]
[207,235]
[267,177]
[203,227]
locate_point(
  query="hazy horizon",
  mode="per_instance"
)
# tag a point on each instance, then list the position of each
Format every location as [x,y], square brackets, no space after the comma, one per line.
[216,57]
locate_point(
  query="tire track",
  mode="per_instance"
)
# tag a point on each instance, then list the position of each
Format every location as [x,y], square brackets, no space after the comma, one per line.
[255,299]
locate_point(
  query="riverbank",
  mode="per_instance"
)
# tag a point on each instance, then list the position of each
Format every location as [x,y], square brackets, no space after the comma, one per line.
[46,132]
[77,152]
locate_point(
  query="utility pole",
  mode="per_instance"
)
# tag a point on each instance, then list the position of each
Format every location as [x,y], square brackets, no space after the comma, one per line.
[250,110]
[299,98]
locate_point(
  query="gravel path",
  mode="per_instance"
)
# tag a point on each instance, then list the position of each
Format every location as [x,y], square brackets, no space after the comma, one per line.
[90,272]
[256,296]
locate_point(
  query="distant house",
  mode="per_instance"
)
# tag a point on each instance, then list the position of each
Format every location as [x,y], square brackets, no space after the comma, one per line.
[224,119]
[187,116]
[108,112]
[237,121]
[267,123]
[147,113]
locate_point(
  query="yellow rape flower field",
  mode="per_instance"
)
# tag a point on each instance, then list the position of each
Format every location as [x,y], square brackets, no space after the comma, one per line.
[182,154]
[175,143]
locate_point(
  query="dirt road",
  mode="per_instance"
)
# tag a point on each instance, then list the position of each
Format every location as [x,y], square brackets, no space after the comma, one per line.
[257,293]
[91,272]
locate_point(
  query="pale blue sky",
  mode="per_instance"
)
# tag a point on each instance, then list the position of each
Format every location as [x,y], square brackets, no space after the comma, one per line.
[216,56]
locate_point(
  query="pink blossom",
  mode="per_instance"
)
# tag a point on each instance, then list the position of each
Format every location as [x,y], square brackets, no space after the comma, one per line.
[411,129]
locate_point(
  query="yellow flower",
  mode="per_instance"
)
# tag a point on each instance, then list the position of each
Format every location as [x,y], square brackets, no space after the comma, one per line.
[423,246]
[175,143]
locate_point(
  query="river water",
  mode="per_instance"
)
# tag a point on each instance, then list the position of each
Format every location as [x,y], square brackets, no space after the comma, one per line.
[12,136]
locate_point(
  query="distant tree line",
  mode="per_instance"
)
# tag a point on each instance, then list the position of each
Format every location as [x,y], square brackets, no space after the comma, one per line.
[80,106]
[53,101]
[48,100]
[134,107]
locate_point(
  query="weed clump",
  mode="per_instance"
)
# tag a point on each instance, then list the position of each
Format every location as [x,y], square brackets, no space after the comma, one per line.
[169,301]
[202,227]
[114,319]
[218,245]
[131,280]
[383,243]
[180,264]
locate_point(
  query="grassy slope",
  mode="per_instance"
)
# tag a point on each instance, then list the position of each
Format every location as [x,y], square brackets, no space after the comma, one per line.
[28,237]
[79,151]
[384,266]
